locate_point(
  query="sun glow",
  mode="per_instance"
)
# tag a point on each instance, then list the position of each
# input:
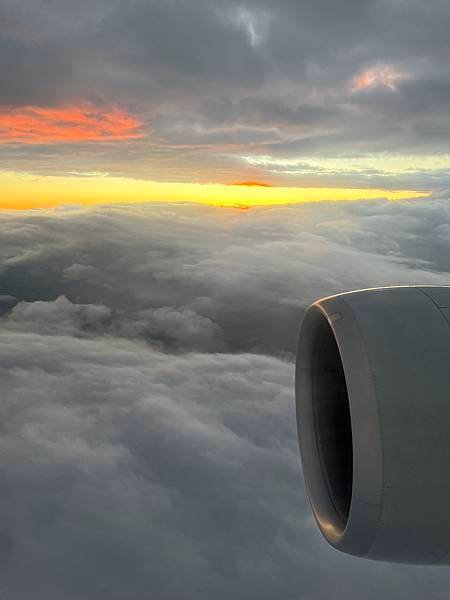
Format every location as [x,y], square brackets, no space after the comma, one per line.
[252,184]
[375,164]
[24,191]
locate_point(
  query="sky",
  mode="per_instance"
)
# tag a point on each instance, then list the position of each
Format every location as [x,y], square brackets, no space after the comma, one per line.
[115,97]
[179,180]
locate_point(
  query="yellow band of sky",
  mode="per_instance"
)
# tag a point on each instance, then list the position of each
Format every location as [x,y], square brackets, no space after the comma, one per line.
[24,191]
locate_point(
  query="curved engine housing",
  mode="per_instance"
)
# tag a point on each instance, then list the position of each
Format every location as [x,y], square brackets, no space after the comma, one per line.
[373,417]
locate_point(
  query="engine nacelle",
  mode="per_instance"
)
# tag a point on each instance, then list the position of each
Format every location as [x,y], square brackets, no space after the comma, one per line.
[373,417]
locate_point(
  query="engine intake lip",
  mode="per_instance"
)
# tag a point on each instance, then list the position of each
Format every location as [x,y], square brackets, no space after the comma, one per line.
[345,490]
[332,423]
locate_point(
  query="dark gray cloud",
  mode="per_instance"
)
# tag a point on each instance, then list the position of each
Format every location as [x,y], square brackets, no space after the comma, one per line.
[148,441]
[242,78]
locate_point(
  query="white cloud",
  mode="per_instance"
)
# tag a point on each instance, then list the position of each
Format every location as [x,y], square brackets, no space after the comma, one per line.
[80,272]
[58,317]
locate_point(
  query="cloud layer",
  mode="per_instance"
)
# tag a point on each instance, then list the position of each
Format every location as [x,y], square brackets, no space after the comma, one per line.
[148,441]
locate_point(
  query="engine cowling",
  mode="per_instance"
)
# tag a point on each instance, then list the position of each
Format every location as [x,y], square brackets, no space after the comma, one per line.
[373,417]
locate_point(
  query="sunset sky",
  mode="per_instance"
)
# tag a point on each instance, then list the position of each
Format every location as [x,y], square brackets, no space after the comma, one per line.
[179,181]
[109,98]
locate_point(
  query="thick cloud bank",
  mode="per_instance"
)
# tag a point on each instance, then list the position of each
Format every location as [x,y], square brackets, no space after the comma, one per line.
[148,445]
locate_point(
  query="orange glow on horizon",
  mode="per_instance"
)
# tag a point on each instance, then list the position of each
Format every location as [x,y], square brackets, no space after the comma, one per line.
[252,184]
[25,191]
[85,123]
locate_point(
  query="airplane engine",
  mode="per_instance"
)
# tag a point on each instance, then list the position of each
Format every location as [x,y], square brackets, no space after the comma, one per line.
[373,417]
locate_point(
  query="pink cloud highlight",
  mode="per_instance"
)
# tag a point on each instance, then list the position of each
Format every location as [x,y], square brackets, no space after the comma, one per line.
[84,123]
[379,76]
